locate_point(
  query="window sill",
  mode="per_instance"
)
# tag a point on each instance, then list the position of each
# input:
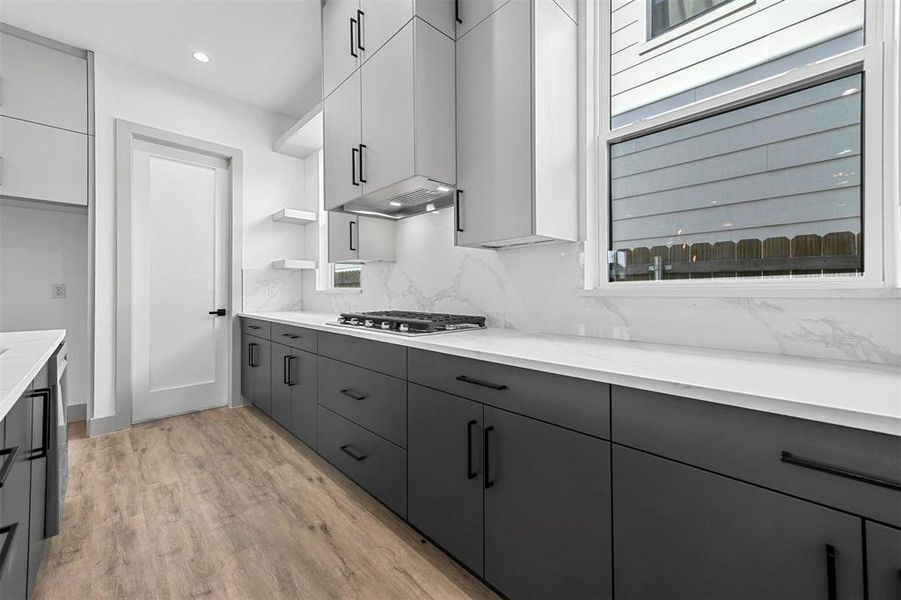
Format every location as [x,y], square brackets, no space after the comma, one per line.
[340,291]
[691,25]
[821,290]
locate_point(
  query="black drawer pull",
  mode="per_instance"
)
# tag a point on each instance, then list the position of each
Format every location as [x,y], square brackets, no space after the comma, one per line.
[251,355]
[470,474]
[10,455]
[9,531]
[46,397]
[788,457]
[289,375]
[486,449]
[290,335]
[348,450]
[832,593]
[487,384]
[351,394]
[253,327]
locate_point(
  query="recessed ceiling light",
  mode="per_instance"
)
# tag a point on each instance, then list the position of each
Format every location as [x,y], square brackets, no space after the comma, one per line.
[443,188]
[396,203]
[201,57]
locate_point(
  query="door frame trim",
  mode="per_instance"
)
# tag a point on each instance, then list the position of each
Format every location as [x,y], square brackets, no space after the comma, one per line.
[127,133]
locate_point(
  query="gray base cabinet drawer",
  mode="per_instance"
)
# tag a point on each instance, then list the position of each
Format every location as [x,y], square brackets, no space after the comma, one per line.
[377,465]
[296,337]
[883,562]
[684,533]
[390,359]
[577,404]
[375,401]
[256,327]
[836,466]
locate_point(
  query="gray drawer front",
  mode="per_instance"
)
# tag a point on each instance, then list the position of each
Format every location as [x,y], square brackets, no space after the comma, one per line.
[383,470]
[390,359]
[578,404]
[255,327]
[382,403]
[748,445]
[296,337]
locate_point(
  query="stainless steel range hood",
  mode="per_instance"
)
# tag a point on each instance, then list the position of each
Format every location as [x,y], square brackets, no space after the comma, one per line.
[408,198]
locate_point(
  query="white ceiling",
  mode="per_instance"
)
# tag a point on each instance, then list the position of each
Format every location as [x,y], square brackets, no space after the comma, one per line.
[263,52]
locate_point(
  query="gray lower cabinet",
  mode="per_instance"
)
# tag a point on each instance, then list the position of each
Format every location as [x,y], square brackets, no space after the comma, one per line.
[680,532]
[16,500]
[547,509]
[39,405]
[444,471]
[883,562]
[255,384]
[293,391]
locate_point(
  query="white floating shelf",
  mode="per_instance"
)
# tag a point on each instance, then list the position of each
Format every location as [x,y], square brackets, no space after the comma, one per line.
[293,263]
[293,215]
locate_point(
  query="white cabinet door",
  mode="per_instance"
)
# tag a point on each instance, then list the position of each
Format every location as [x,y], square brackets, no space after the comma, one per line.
[494,148]
[377,239]
[43,163]
[343,238]
[341,141]
[381,20]
[472,12]
[340,46]
[43,85]
[388,113]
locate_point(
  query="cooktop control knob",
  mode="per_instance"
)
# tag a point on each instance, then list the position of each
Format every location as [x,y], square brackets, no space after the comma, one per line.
[386,325]
[368,323]
[403,327]
[354,321]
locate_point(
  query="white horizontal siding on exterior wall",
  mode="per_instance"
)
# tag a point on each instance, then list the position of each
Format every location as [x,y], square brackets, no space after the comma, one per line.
[749,36]
[785,167]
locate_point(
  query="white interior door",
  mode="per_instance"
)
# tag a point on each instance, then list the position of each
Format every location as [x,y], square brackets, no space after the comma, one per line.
[180,203]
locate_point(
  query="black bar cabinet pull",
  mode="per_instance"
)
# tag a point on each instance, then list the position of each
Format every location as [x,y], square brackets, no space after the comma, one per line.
[9,531]
[253,327]
[360,15]
[353,166]
[487,384]
[289,377]
[348,450]
[292,336]
[351,394]
[219,312]
[457,11]
[350,235]
[362,178]
[788,457]
[832,593]
[470,474]
[457,212]
[45,395]
[486,448]
[9,459]
[251,355]
[353,49]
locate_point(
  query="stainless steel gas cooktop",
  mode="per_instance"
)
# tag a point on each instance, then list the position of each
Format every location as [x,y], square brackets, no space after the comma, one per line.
[409,323]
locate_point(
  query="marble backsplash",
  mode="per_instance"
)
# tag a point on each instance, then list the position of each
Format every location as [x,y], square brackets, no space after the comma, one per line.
[537,289]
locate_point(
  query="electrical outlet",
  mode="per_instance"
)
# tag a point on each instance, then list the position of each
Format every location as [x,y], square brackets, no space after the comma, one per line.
[58,291]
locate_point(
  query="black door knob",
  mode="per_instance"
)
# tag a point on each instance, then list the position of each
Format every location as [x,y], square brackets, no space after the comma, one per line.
[219,313]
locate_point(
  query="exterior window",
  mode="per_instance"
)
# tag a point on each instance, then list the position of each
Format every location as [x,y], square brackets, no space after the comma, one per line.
[346,275]
[666,14]
[769,189]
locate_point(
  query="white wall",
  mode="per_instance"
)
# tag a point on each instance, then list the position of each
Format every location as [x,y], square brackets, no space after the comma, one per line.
[40,246]
[755,33]
[271,181]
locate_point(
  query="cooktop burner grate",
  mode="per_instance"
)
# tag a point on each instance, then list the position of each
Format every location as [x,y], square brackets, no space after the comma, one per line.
[410,322]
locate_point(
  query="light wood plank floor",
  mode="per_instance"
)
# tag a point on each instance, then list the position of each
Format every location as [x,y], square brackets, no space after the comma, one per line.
[225,504]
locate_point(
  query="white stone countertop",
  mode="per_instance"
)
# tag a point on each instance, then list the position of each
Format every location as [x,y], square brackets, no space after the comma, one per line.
[22,355]
[844,393]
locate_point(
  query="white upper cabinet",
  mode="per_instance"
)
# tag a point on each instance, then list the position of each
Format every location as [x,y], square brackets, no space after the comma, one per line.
[517,136]
[341,144]
[404,159]
[470,13]
[357,239]
[43,85]
[341,49]
[38,162]
[381,19]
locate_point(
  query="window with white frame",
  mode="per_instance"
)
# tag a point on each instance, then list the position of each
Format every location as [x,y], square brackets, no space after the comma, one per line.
[666,14]
[772,176]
